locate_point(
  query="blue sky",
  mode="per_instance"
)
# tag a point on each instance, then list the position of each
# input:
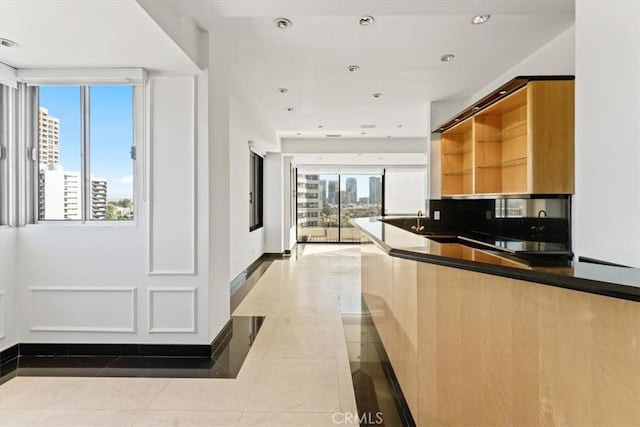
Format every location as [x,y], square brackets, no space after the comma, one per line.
[111,132]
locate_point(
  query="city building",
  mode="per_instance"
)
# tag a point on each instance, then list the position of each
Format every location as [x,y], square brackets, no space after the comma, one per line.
[332,193]
[322,187]
[48,138]
[309,201]
[98,198]
[499,288]
[375,190]
[60,195]
[351,193]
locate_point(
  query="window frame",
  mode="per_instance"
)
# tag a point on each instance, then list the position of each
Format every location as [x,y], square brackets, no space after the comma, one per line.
[139,120]
[256,191]
[6,138]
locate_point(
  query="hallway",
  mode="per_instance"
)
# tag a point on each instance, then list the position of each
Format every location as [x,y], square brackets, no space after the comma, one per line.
[296,374]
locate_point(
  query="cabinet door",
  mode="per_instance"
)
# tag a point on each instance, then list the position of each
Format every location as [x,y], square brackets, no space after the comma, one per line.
[550,107]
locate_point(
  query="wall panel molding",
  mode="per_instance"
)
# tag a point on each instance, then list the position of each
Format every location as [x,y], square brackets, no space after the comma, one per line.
[83,309]
[183,310]
[159,220]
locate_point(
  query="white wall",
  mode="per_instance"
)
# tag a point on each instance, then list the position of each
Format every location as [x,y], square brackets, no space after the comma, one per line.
[8,246]
[134,282]
[274,213]
[554,58]
[234,119]
[607,201]
[354,145]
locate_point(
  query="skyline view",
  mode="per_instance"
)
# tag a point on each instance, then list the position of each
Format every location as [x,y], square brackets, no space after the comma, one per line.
[110,133]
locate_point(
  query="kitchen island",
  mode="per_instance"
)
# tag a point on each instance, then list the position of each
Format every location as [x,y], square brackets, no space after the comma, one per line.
[477,338]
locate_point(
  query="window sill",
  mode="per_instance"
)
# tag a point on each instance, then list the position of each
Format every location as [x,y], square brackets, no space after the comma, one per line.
[89,224]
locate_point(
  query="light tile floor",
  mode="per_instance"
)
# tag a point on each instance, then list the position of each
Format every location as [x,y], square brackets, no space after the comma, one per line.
[296,374]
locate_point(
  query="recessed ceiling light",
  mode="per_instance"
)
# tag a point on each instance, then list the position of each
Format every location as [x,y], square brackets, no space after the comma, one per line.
[283,90]
[363,133]
[366,20]
[447,57]
[502,92]
[8,43]
[388,136]
[320,126]
[400,126]
[290,109]
[283,23]
[380,158]
[480,19]
[377,95]
[299,133]
[353,68]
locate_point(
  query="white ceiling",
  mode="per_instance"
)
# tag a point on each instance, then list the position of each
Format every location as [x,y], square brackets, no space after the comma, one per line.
[87,33]
[372,159]
[399,55]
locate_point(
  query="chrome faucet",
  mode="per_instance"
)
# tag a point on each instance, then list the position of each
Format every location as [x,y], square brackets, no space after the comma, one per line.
[418,227]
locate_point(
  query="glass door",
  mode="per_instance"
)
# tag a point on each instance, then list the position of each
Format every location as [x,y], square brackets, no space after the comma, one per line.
[326,202]
[317,208]
[360,197]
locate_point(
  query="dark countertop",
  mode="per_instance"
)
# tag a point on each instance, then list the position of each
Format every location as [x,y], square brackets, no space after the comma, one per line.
[616,282]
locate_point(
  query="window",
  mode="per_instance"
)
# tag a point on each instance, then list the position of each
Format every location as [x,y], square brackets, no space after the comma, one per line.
[7,107]
[255,191]
[85,153]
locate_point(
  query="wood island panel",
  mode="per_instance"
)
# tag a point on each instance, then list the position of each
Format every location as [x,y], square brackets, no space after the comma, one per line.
[500,351]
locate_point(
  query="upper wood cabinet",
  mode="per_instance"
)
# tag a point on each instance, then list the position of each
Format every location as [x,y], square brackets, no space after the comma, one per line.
[520,144]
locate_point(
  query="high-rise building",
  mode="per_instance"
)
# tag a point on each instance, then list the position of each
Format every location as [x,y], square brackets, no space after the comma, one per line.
[332,193]
[98,198]
[309,202]
[351,191]
[322,187]
[61,194]
[375,190]
[48,138]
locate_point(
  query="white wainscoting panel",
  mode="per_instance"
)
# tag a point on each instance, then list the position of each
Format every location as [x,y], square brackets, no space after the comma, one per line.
[83,309]
[172,217]
[172,310]
[3,316]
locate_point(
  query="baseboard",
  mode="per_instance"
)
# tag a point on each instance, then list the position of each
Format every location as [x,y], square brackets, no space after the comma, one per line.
[222,339]
[9,362]
[138,350]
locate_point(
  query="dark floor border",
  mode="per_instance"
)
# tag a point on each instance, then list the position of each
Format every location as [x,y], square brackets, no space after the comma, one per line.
[9,356]
[392,380]
[222,339]
[241,278]
[9,362]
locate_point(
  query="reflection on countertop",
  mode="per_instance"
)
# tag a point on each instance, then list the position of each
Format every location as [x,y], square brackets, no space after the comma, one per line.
[618,282]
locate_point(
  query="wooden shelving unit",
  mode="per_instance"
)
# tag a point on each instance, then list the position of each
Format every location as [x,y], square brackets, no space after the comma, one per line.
[457,159]
[521,144]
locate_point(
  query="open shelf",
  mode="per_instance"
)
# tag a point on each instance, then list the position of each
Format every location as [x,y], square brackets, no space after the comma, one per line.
[457,159]
[506,163]
[521,144]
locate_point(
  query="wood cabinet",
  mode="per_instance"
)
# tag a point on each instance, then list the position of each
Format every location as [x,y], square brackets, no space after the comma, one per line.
[521,144]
